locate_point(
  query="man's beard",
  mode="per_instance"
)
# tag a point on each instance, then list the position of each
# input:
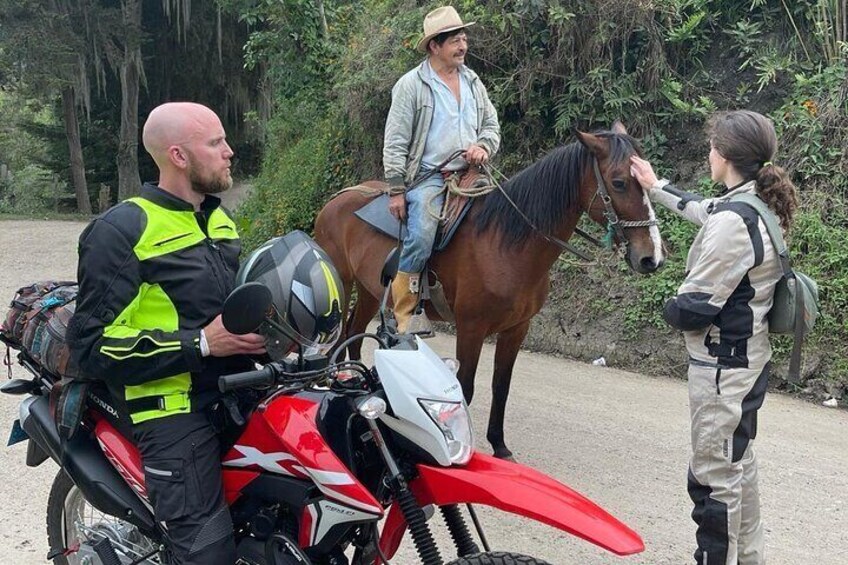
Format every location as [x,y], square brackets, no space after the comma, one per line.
[215,185]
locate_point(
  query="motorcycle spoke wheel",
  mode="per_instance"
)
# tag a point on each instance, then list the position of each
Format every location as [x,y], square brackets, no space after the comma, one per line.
[72,520]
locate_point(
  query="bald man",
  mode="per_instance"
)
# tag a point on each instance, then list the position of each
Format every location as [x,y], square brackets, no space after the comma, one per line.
[153,273]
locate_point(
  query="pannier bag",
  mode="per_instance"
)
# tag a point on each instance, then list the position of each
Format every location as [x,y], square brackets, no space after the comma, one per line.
[796,296]
[37,322]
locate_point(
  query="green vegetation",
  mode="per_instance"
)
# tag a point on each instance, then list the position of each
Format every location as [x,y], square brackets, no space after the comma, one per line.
[77,78]
[26,185]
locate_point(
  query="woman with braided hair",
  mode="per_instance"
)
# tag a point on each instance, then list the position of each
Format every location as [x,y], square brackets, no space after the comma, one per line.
[721,308]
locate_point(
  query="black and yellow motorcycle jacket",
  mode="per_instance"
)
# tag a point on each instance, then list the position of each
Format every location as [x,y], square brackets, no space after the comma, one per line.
[152,273]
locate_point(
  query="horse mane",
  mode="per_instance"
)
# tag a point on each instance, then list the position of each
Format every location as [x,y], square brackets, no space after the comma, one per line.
[545,189]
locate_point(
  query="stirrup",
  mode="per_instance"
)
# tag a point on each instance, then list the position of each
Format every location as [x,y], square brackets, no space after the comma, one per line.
[420,325]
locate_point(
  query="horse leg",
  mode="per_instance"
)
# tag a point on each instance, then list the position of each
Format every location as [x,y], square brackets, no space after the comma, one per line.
[363,312]
[506,351]
[469,343]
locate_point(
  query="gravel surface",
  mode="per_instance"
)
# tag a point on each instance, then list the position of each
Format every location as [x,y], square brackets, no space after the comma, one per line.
[619,438]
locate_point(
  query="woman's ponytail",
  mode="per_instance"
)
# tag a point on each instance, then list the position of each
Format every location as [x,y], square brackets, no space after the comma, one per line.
[776,189]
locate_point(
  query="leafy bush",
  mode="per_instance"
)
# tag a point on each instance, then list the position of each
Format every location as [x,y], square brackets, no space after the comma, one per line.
[31,190]
[287,193]
[811,124]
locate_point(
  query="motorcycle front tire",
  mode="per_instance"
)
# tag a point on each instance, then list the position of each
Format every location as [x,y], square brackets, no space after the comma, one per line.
[498,558]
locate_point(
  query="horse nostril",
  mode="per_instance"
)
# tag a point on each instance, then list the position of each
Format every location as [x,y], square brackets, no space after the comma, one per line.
[648,264]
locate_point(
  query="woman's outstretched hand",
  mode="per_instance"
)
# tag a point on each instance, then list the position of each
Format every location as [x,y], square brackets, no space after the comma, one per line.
[643,172]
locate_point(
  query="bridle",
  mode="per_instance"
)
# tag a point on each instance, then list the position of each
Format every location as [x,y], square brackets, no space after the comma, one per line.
[615,226]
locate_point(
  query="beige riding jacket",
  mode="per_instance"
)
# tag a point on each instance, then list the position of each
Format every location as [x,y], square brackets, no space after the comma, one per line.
[732,269]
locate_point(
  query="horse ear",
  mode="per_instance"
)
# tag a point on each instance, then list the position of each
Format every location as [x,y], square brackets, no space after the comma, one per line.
[619,128]
[593,143]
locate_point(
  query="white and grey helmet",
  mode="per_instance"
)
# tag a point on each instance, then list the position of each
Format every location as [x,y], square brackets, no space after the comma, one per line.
[307,294]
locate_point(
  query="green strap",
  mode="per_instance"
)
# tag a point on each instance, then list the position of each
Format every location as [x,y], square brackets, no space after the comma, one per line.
[772,226]
[776,236]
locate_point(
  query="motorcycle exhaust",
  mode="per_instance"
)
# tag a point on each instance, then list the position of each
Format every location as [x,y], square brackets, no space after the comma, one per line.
[85,464]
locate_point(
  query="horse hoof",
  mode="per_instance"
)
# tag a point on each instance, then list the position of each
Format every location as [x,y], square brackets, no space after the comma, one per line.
[504,454]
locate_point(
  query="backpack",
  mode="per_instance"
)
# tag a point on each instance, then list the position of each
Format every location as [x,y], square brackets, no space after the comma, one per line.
[796,296]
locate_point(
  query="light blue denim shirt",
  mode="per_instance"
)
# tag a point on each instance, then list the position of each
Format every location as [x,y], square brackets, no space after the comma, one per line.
[454,125]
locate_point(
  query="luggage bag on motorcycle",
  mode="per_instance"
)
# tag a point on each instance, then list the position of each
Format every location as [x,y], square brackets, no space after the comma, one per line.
[37,322]
[17,317]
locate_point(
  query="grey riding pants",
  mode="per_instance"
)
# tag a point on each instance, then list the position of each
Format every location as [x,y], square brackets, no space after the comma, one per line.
[722,478]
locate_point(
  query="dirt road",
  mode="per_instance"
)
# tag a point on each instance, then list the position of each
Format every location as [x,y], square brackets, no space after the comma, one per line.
[619,438]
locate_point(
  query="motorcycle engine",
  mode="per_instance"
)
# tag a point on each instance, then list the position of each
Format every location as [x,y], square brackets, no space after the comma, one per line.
[250,551]
[278,550]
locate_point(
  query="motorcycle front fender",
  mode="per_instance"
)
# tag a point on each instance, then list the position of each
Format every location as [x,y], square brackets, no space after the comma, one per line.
[517,489]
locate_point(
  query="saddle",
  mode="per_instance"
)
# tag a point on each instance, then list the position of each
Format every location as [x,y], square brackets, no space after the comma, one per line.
[376,212]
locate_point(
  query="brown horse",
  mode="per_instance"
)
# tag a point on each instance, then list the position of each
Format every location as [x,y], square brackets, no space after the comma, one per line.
[495,271]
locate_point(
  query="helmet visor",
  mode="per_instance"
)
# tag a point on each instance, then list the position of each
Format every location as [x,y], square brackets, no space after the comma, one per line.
[281,338]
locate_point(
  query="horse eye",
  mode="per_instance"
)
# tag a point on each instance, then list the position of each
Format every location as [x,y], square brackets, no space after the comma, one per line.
[619,185]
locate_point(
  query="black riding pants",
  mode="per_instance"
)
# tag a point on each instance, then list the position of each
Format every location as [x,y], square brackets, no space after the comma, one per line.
[181,456]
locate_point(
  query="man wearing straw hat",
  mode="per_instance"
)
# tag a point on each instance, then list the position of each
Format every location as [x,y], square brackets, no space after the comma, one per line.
[438,108]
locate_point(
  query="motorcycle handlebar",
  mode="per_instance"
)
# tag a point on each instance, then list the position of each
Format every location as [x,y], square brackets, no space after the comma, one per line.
[275,372]
[263,377]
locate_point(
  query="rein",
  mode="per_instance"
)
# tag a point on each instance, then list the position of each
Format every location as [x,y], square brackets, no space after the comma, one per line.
[549,238]
[452,186]
[615,226]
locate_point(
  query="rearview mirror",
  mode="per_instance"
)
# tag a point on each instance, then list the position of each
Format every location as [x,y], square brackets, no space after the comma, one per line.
[246,308]
[390,267]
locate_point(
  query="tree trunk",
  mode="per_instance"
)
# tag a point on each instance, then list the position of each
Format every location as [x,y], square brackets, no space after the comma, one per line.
[69,113]
[129,182]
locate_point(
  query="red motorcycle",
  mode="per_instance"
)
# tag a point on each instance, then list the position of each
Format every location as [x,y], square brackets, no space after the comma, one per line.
[329,451]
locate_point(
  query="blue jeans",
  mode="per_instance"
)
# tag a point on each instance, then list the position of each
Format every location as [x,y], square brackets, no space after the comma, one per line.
[421,224]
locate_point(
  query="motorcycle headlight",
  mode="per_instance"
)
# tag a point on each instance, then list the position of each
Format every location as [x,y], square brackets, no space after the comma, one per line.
[453,420]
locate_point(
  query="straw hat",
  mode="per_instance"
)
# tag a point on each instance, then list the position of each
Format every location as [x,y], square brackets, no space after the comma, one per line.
[438,21]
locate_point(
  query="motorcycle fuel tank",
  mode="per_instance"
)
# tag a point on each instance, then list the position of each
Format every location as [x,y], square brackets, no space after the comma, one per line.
[282,437]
